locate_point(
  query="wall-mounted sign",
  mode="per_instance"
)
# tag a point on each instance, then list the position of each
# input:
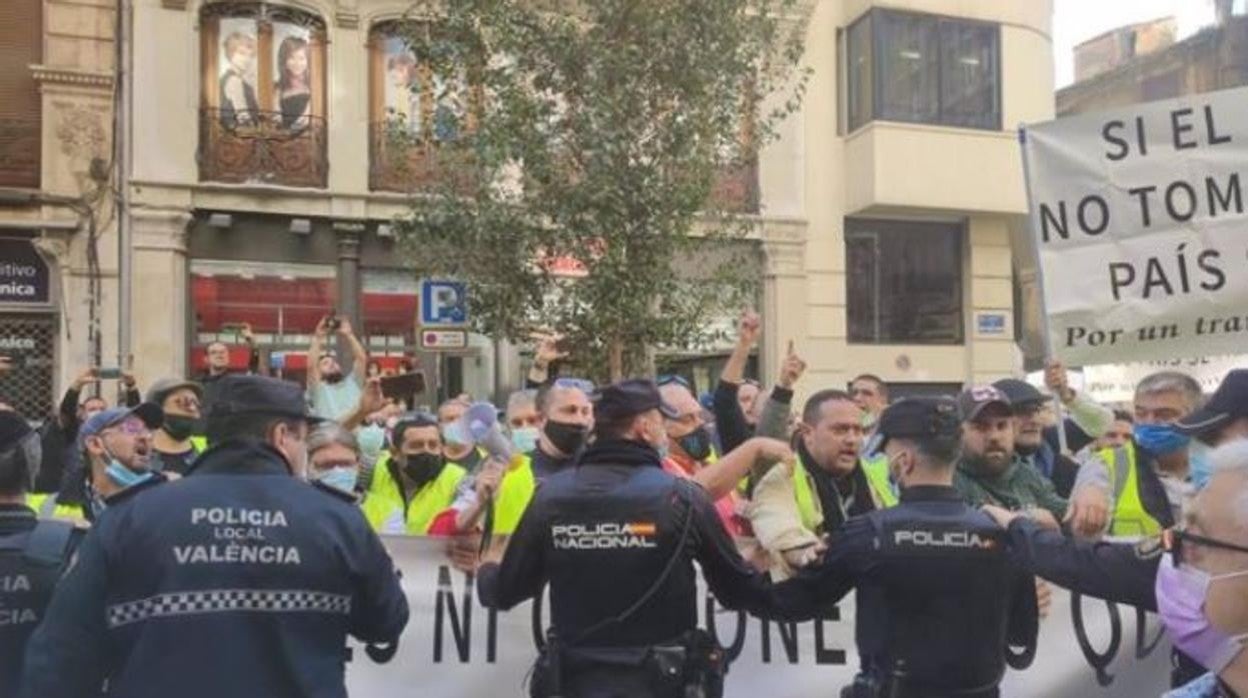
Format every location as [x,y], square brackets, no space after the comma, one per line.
[990,324]
[443,303]
[24,276]
[441,340]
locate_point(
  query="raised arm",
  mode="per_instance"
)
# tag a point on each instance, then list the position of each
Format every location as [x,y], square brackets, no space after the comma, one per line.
[730,421]
[723,476]
[315,350]
[359,355]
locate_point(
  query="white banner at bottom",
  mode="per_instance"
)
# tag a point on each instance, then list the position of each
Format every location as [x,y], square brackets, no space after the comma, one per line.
[455,647]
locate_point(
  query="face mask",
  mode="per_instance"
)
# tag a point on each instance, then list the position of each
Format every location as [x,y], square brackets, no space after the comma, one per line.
[696,443]
[371,439]
[454,433]
[1181,594]
[332,378]
[1200,469]
[341,478]
[422,467]
[525,438]
[122,476]
[568,438]
[179,427]
[1159,439]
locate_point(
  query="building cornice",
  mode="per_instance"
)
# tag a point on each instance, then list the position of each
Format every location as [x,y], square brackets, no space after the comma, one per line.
[69,76]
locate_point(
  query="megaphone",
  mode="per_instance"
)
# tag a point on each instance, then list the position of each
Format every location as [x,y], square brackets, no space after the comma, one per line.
[479,427]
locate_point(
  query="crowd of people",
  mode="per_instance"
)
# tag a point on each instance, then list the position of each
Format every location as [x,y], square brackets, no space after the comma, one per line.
[1091,498]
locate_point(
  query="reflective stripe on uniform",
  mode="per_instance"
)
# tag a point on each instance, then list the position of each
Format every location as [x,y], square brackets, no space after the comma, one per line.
[186,603]
[1129,516]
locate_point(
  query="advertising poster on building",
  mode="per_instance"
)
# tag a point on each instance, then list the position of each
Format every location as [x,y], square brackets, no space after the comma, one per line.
[453,646]
[1138,216]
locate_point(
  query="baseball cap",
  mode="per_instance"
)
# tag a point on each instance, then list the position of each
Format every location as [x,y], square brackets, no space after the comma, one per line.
[976,399]
[917,417]
[1020,393]
[629,398]
[151,415]
[162,388]
[260,395]
[1229,401]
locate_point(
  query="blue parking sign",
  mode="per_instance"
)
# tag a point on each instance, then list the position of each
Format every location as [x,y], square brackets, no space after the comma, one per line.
[443,303]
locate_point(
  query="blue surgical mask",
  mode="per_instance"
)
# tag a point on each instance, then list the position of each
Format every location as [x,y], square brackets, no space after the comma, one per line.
[1200,469]
[525,438]
[455,433]
[122,476]
[1159,439]
[340,478]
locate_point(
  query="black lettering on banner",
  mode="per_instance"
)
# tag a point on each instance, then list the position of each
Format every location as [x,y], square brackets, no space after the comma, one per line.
[1112,138]
[1172,203]
[1234,194]
[1121,274]
[461,627]
[1099,662]
[1214,138]
[1178,129]
[491,635]
[733,650]
[788,639]
[823,653]
[1142,193]
[1202,261]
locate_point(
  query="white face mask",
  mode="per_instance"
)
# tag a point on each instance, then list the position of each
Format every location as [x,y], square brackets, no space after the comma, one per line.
[341,478]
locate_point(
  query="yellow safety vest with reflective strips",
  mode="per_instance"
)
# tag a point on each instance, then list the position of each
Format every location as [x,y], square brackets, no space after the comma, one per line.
[385,499]
[804,491]
[1129,516]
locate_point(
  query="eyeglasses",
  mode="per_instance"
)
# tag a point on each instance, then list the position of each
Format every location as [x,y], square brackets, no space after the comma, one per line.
[675,378]
[1174,540]
[132,426]
[580,384]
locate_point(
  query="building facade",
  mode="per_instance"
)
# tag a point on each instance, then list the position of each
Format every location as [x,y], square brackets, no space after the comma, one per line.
[265,172]
[58,242]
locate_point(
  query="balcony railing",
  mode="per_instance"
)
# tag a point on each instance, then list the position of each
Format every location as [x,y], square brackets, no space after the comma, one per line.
[19,152]
[262,147]
[400,162]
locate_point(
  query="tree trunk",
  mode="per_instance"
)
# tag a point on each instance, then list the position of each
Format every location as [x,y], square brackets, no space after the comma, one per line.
[616,360]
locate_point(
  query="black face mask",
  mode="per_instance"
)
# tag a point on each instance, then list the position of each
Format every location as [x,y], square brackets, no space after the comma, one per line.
[568,438]
[179,427]
[332,378]
[422,467]
[696,443]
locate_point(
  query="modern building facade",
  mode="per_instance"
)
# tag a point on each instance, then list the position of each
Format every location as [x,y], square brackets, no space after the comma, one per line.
[264,177]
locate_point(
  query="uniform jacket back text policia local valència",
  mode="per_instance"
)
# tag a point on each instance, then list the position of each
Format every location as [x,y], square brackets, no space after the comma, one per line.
[238,580]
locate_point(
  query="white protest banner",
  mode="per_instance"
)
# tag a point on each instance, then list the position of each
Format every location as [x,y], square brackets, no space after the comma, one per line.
[453,647]
[1116,382]
[1138,217]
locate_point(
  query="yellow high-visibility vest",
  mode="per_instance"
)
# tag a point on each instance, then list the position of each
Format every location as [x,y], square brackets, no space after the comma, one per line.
[46,506]
[384,504]
[1129,517]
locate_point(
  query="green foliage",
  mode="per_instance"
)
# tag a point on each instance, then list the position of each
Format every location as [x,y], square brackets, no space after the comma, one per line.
[599,131]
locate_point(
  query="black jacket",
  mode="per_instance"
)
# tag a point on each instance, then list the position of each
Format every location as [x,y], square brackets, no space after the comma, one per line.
[601,534]
[238,580]
[730,423]
[937,590]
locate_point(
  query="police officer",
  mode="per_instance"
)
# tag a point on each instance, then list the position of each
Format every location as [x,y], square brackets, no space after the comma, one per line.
[939,601]
[32,553]
[240,580]
[615,536]
[1125,572]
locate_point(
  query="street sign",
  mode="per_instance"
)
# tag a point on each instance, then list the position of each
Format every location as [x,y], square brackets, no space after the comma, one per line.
[443,303]
[990,323]
[441,340]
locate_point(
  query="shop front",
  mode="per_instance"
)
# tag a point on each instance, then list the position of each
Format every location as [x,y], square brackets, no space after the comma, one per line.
[28,328]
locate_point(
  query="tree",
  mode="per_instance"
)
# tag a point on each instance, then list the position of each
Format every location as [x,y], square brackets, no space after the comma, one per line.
[595,136]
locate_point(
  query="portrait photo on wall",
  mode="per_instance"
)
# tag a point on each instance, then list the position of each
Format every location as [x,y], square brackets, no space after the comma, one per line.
[240,105]
[292,79]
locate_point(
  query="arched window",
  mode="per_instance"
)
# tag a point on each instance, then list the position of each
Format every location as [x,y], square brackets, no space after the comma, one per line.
[262,116]
[416,114]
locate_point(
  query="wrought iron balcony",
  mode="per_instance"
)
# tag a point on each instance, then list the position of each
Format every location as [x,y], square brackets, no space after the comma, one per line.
[19,152]
[401,162]
[262,147]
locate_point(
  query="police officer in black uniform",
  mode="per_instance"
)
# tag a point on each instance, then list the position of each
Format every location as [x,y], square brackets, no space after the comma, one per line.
[615,536]
[32,553]
[939,600]
[241,579]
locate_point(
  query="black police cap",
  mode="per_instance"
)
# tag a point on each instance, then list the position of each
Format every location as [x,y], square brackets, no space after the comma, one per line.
[13,429]
[630,398]
[1228,402]
[919,418]
[260,396]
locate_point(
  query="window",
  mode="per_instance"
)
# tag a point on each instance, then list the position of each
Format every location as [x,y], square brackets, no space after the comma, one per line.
[416,115]
[263,104]
[904,282]
[21,38]
[920,68]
